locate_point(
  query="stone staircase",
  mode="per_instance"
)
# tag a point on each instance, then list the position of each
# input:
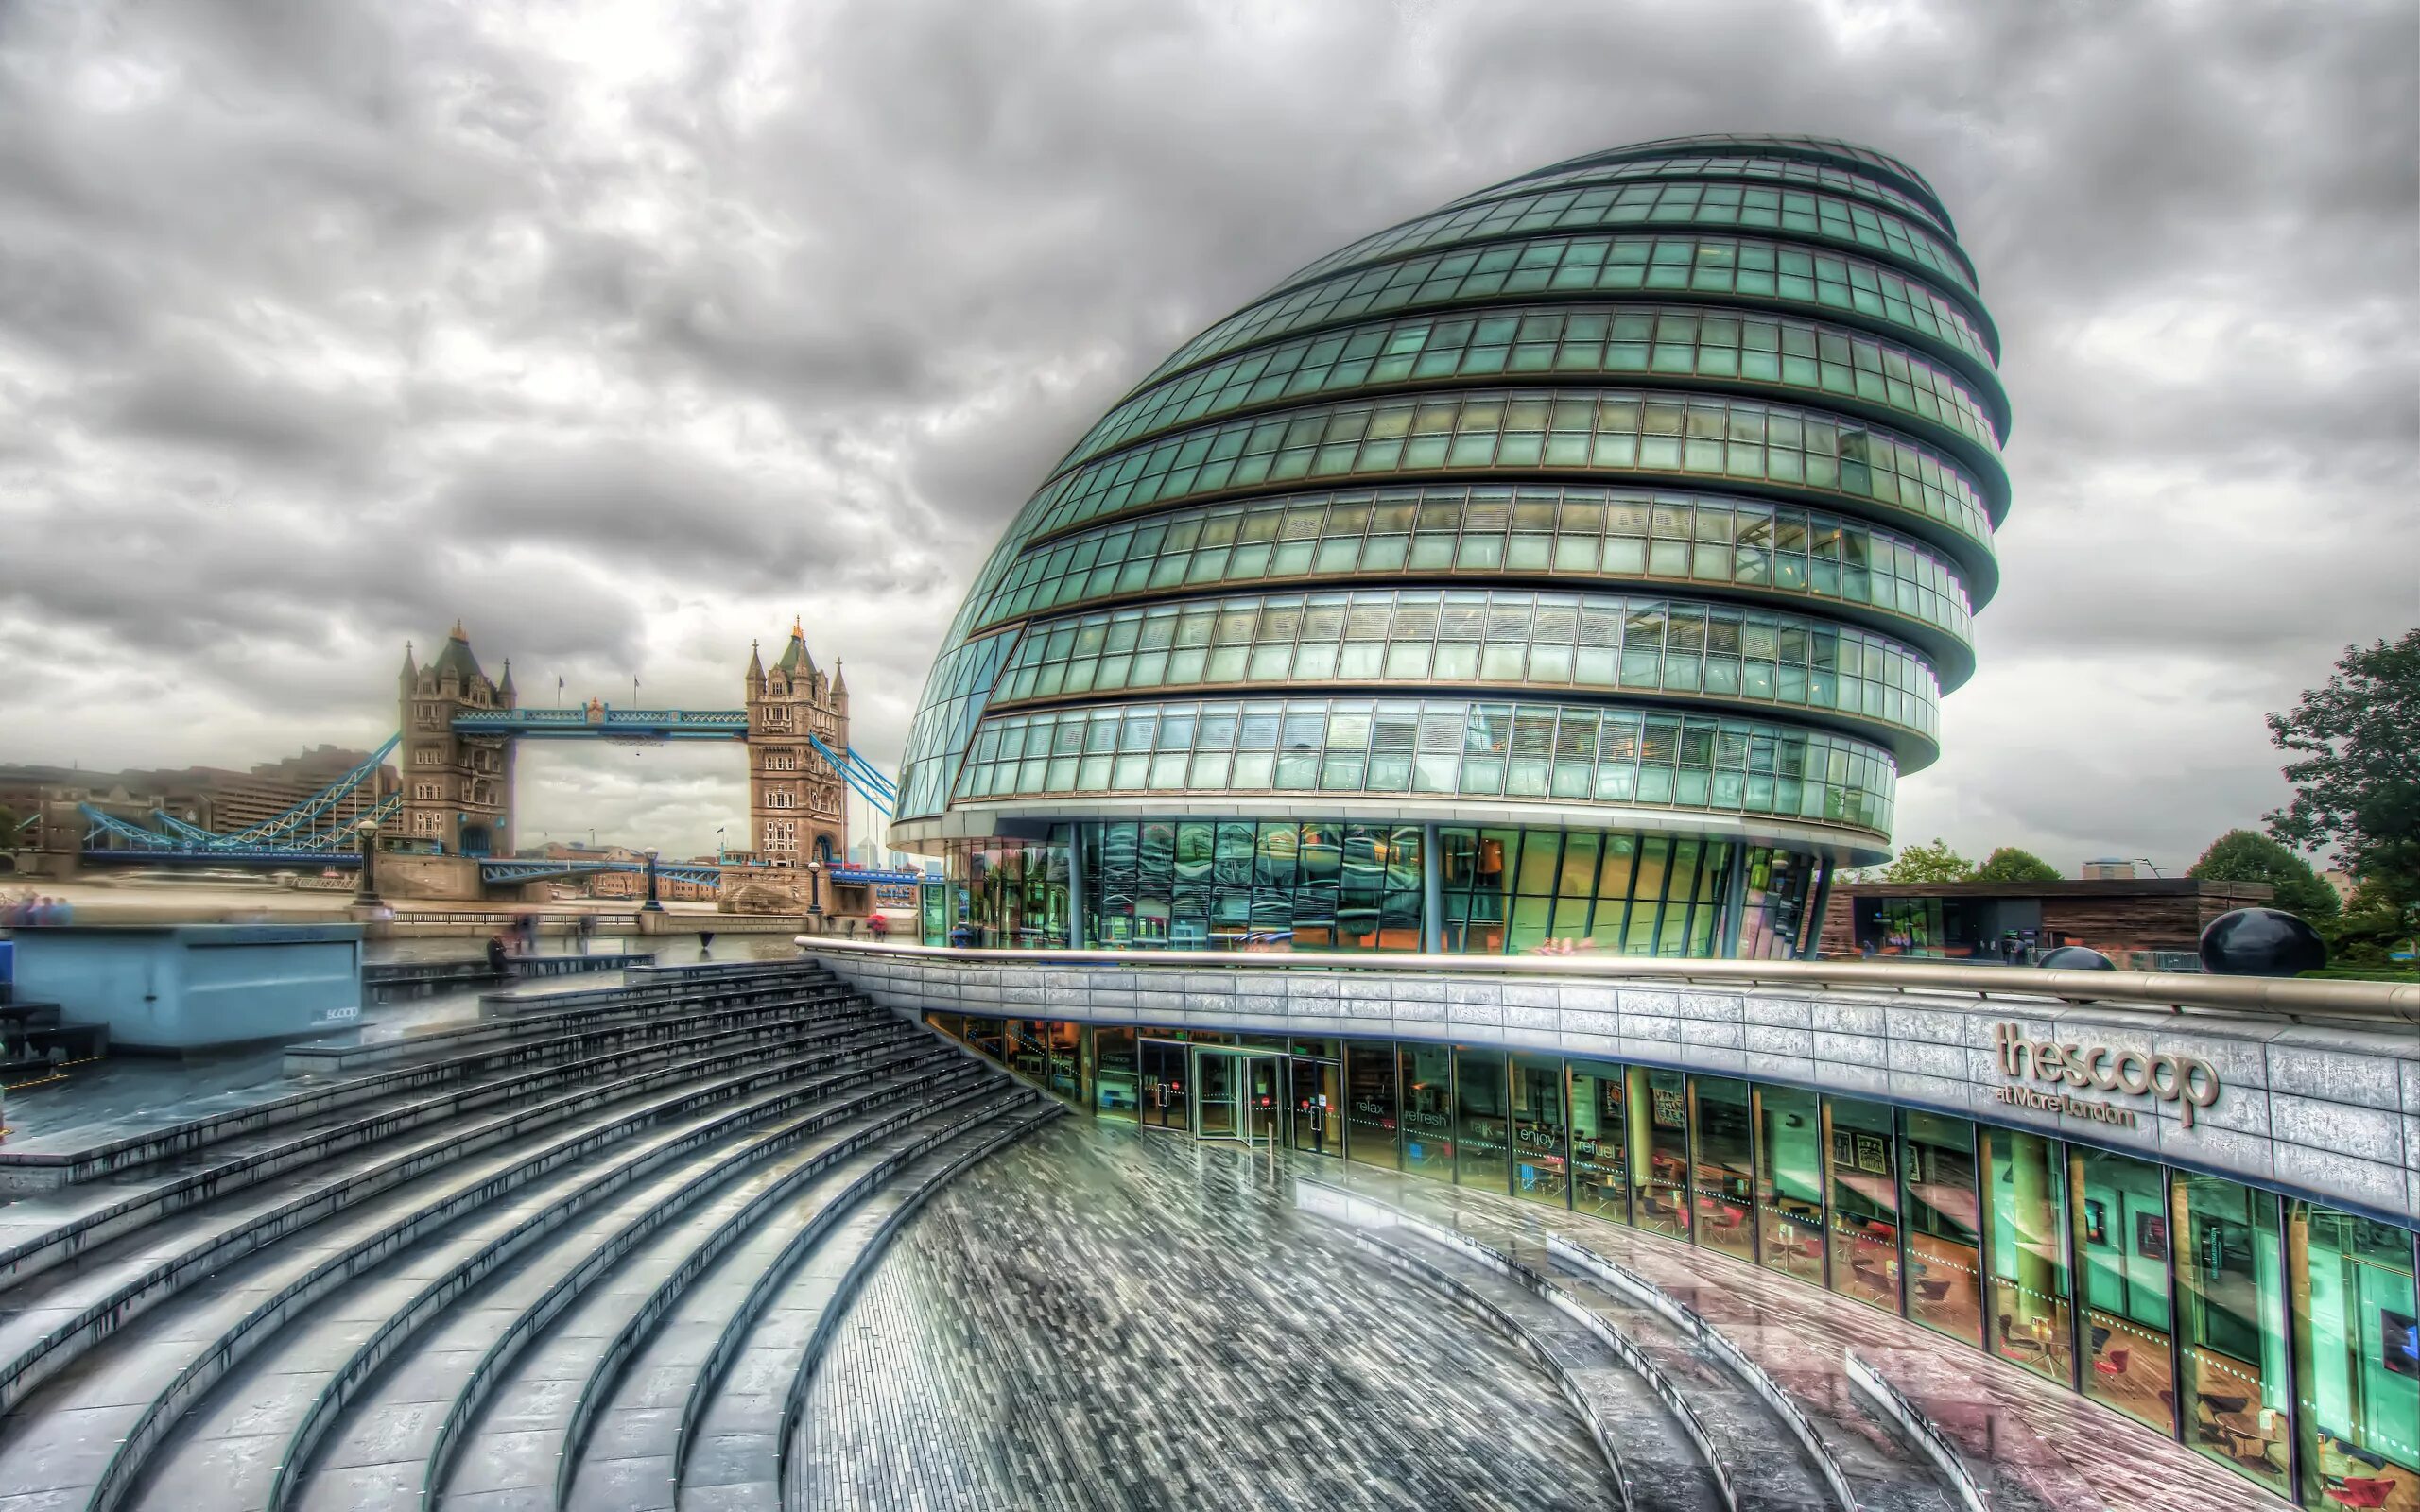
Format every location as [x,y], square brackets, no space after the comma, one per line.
[565,1256]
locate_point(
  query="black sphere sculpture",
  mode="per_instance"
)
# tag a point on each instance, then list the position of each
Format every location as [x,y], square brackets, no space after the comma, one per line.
[2076,958]
[2261,942]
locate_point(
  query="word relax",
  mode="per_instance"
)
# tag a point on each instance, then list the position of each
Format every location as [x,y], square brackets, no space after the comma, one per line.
[2189,1083]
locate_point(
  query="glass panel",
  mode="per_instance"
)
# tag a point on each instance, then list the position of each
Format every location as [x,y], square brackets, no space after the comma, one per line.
[2029,1306]
[1938,1195]
[1539,1172]
[1484,1133]
[1318,1106]
[1863,1185]
[1061,1044]
[1725,1164]
[1028,1049]
[1427,1083]
[1160,1083]
[989,1037]
[1599,1136]
[1790,1181]
[1264,1089]
[2357,1359]
[2231,1325]
[1117,1085]
[1659,1151]
[1370,1134]
[2120,1228]
[1217,1095]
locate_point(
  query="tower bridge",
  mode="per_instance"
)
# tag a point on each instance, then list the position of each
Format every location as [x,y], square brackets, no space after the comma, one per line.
[449,830]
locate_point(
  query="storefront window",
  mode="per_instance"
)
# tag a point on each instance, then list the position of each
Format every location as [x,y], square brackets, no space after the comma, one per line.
[2120,1226]
[1029,1048]
[1484,1133]
[1943,1212]
[1115,1093]
[1659,1151]
[2231,1325]
[1427,1082]
[989,1037]
[2028,1242]
[1598,1135]
[1539,1169]
[1059,1043]
[1864,1192]
[1790,1182]
[1725,1184]
[2357,1358]
[1370,1075]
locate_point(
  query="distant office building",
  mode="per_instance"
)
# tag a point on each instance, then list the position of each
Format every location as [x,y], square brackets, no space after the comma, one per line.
[1581,561]
[213,797]
[2107,870]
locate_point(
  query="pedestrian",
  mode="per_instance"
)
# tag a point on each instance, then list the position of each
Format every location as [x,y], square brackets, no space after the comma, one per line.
[496,954]
[587,928]
[705,942]
[876,927]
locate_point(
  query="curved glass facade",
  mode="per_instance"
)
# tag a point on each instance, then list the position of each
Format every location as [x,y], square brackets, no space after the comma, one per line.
[1644,498]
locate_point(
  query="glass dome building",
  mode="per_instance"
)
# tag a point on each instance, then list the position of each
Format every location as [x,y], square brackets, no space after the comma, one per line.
[1583,560]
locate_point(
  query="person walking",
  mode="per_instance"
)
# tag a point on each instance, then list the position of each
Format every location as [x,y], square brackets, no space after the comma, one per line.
[587,928]
[496,954]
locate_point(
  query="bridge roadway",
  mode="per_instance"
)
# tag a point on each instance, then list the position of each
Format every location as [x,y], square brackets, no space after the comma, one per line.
[634,1249]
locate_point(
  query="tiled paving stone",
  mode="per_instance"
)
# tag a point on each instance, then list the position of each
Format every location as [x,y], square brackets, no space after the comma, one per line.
[2035,1445]
[1105,1319]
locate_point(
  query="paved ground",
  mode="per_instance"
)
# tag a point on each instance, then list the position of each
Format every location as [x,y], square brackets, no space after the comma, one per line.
[1104,1319]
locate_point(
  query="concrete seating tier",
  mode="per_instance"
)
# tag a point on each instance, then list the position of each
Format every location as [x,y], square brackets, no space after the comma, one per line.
[33,1042]
[375,1326]
[37,1234]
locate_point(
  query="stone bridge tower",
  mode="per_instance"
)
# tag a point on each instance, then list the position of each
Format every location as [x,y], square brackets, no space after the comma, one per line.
[457,789]
[798,806]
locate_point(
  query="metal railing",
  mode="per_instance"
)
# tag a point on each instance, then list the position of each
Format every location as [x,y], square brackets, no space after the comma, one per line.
[2274,997]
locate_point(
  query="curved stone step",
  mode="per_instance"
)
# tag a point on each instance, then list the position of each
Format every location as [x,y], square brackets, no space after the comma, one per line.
[121,1399]
[55,1320]
[703,1241]
[622,1438]
[66,1228]
[630,1193]
[735,1448]
[1655,1464]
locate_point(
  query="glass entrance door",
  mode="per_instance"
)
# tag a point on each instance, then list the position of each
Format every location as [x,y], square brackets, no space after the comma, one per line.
[1163,1103]
[1239,1095]
[1318,1106]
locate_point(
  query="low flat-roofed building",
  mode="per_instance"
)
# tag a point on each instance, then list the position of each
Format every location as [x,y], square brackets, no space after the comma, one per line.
[2123,917]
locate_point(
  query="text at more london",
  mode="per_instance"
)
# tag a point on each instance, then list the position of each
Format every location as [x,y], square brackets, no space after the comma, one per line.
[2189,1083]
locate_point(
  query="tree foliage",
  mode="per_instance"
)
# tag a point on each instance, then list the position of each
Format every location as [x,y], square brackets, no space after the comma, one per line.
[1929,863]
[2241,855]
[2355,745]
[9,820]
[2010,864]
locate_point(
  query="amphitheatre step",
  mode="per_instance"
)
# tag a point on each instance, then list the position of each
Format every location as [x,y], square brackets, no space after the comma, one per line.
[1643,1439]
[79,1155]
[742,1412]
[87,1431]
[436,1329]
[60,1319]
[38,1233]
[622,1433]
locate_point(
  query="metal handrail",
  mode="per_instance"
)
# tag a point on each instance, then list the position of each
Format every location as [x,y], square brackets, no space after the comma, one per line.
[2179,992]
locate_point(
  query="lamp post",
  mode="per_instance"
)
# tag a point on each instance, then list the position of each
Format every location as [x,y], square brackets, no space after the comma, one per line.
[653,905]
[365,894]
[814,893]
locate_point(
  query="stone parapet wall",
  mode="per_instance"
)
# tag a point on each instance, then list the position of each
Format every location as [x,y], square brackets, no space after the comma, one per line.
[2324,1110]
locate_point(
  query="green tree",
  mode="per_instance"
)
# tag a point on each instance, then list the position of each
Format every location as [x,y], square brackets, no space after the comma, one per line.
[2009,864]
[2371,929]
[1929,863]
[2241,855]
[9,820]
[2355,767]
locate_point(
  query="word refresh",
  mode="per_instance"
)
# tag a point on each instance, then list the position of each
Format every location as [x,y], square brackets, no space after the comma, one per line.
[2189,1083]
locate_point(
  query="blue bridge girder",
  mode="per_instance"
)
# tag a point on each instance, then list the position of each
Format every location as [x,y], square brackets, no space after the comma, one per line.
[541,869]
[578,724]
[265,859]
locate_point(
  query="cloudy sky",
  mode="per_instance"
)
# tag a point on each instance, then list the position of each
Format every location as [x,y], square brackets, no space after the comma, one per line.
[625,331]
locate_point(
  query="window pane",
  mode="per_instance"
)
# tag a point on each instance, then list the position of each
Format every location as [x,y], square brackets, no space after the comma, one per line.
[1790,1182]
[2357,1358]
[2029,1271]
[1945,1267]
[2231,1325]
[1483,1135]
[1369,1132]
[1599,1136]
[1725,1183]
[1538,1126]
[2120,1228]
[1427,1083]
[1113,1084]
[1659,1153]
